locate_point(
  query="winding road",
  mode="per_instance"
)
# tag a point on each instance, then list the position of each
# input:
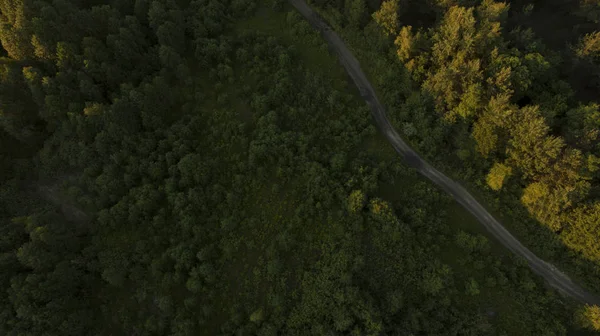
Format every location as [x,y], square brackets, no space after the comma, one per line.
[551,274]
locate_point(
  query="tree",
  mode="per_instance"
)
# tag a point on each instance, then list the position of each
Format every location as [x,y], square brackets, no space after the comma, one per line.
[589,47]
[545,201]
[489,129]
[66,55]
[530,147]
[583,127]
[462,45]
[497,175]
[407,43]
[472,287]
[588,317]
[589,9]
[356,12]
[582,230]
[18,111]
[485,135]
[387,17]
[171,35]
[455,37]
[491,15]
[189,198]
[257,316]
[356,201]
[507,74]
[455,77]
[15,30]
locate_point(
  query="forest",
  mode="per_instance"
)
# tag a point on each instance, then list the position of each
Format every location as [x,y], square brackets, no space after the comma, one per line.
[206,167]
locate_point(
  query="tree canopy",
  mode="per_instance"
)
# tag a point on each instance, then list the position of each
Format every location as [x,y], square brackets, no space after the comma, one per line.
[205,167]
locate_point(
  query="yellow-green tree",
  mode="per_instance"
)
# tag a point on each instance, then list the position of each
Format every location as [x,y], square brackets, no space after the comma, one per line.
[583,230]
[530,146]
[485,135]
[589,47]
[456,71]
[545,202]
[356,201]
[382,210]
[498,175]
[387,17]
[15,30]
[461,47]
[489,129]
[589,317]
[405,42]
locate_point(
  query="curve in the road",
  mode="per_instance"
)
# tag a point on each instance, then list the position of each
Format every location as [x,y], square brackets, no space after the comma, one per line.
[551,274]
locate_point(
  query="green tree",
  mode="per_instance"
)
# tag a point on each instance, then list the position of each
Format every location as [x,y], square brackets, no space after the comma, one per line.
[472,287]
[583,127]
[172,35]
[356,12]
[257,316]
[589,9]
[18,111]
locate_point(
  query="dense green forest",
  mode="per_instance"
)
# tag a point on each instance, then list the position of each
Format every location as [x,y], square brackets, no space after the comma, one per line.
[205,167]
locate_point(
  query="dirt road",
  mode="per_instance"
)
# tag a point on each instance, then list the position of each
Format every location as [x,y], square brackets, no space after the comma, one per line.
[550,273]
